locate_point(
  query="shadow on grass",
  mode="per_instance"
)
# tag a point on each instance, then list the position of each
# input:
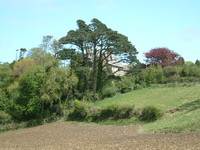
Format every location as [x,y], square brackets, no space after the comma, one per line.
[191,106]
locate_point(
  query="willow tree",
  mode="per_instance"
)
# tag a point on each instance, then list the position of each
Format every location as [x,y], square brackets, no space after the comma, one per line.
[90,46]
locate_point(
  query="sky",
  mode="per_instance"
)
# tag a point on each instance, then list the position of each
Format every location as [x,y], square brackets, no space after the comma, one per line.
[148,24]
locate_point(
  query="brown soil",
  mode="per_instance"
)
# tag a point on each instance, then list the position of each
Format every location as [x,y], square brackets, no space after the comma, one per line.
[74,136]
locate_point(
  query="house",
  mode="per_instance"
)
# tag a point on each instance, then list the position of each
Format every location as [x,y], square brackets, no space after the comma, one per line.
[118,68]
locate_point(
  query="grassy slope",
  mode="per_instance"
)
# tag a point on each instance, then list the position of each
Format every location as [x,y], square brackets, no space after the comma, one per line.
[186,98]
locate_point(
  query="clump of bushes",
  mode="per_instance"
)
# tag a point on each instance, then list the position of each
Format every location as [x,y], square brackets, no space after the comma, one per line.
[150,113]
[89,96]
[124,112]
[83,111]
[109,91]
[126,84]
[4,118]
[115,111]
[86,112]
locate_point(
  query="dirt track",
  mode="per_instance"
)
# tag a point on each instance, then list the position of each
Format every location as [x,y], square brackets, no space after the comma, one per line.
[74,136]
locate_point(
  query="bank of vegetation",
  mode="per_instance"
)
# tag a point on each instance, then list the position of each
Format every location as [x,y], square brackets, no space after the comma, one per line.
[76,78]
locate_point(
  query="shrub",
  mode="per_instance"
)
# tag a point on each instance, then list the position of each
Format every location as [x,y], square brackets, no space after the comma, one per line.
[124,111]
[148,75]
[137,86]
[3,100]
[189,69]
[4,118]
[172,71]
[90,96]
[94,113]
[109,111]
[115,111]
[126,84]
[84,111]
[150,113]
[109,91]
[80,110]
[159,74]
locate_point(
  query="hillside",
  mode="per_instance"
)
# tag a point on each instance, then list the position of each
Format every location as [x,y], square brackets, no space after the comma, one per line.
[180,106]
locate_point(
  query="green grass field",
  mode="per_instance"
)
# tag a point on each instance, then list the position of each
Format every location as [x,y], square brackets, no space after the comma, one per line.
[180,105]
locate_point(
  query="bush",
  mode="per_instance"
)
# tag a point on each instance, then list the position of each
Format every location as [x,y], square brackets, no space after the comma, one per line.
[150,113]
[126,84]
[109,91]
[124,112]
[80,110]
[115,111]
[3,100]
[84,111]
[172,71]
[4,118]
[109,111]
[137,86]
[190,70]
[148,75]
[90,96]
[94,113]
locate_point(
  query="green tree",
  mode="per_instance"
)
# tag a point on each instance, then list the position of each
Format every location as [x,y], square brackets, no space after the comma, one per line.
[49,44]
[58,87]
[79,53]
[190,70]
[40,93]
[27,105]
[5,75]
[46,42]
[20,67]
[95,43]
[148,75]
[22,53]
[43,58]
[3,100]
[197,63]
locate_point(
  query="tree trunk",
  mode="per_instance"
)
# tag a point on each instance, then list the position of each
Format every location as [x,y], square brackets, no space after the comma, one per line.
[85,63]
[100,72]
[94,67]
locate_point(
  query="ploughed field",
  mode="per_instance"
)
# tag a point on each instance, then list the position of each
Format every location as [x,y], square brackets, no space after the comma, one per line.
[74,136]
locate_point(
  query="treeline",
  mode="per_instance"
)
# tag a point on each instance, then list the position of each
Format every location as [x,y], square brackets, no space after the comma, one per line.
[45,82]
[138,77]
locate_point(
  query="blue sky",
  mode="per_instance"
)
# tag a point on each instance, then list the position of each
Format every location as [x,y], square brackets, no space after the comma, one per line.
[147,23]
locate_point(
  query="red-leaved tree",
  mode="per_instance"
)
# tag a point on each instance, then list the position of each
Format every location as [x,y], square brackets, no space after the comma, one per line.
[163,57]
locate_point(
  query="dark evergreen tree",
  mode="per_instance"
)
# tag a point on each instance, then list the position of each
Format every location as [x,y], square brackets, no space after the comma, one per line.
[197,62]
[89,48]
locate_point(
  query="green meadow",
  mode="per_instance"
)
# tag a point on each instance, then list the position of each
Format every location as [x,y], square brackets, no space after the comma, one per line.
[180,107]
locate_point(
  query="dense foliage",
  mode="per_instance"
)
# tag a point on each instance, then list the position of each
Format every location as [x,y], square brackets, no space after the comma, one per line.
[150,113]
[39,85]
[89,48]
[163,57]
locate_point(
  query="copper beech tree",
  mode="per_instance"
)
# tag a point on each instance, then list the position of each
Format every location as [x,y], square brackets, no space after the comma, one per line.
[163,57]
